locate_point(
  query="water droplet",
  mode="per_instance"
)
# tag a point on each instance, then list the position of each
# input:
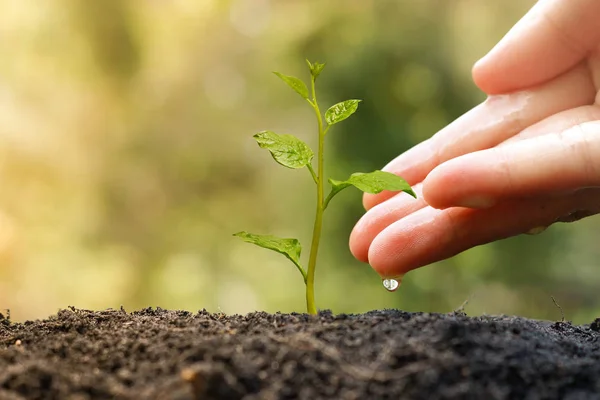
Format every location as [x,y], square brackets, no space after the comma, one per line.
[391,284]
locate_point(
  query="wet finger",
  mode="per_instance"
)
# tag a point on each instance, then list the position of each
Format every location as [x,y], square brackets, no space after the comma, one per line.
[537,166]
[431,235]
[558,123]
[380,217]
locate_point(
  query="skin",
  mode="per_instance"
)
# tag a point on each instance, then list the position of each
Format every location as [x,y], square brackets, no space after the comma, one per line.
[527,157]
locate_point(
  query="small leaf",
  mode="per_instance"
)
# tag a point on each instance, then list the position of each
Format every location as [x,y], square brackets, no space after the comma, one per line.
[315,69]
[295,84]
[287,150]
[290,248]
[373,182]
[376,182]
[341,111]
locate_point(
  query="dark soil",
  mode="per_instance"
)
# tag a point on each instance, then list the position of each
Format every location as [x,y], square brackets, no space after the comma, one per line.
[158,354]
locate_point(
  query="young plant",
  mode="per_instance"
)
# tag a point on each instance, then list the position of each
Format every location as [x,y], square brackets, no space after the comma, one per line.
[291,152]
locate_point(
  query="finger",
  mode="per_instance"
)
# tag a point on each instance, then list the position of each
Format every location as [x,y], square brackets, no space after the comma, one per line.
[489,124]
[558,123]
[379,217]
[541,165]
[551,38]
[431,235]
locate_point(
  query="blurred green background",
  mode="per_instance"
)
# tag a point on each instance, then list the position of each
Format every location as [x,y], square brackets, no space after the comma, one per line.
[127,158]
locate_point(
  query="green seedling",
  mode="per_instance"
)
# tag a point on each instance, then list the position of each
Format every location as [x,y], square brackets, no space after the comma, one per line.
[291,152]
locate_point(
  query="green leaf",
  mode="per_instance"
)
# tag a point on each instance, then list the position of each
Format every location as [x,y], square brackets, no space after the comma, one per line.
[315,69]
[290,248]
[295,84]
[287,150]
[341,111]
[372,182]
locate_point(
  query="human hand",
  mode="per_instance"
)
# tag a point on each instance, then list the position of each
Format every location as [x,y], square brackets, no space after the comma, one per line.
[527,157]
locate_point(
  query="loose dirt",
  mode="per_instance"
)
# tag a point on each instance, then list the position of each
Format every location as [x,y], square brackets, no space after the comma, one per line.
[177,355]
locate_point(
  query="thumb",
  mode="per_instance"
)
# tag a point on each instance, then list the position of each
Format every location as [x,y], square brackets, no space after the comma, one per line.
[550,39]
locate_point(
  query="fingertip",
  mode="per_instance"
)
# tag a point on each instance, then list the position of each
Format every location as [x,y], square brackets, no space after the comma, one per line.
[359,247]
[457,184]
[392,252]
[483,77]
[369,201]
[446,184]
[379,218]
[381,259]
[489,79]
[432,194]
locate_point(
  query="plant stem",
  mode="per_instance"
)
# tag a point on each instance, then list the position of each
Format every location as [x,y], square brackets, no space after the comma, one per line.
[314,249]
[312,173]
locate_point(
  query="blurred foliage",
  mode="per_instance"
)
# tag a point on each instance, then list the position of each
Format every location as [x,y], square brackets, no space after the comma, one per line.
[128,160]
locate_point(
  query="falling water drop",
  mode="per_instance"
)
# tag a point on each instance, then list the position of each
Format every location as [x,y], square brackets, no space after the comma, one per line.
[391,284]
